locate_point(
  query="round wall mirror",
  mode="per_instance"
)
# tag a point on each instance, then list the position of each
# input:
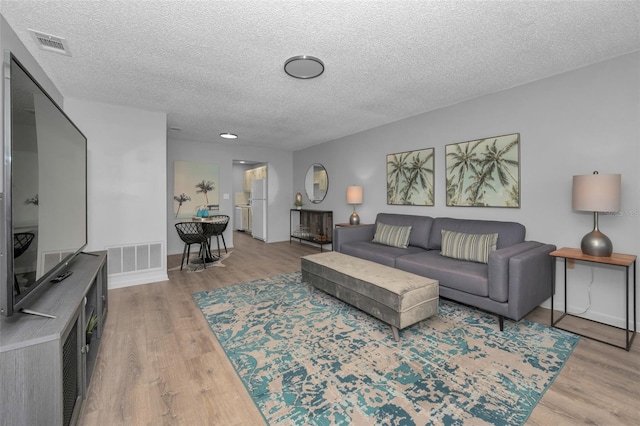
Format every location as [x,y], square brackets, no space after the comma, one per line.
[316,183]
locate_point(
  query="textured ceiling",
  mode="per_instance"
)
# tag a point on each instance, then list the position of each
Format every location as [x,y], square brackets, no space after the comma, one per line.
[217,66]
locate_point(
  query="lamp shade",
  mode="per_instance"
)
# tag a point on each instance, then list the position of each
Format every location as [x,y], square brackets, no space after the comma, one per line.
[596,192]
[354,195]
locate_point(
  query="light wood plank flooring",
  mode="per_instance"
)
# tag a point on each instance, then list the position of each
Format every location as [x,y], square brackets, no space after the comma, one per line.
[159,363]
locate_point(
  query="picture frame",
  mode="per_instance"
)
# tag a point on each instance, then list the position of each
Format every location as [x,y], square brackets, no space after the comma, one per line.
[195,187]
[410,178]
[484,172]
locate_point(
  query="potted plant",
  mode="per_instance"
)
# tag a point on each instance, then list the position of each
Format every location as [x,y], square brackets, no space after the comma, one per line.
[91,326]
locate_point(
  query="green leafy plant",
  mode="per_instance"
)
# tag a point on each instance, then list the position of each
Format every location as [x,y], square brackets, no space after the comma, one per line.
[91,326]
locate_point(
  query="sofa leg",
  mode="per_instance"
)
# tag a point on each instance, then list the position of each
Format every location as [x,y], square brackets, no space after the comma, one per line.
[501,320]
[396,333]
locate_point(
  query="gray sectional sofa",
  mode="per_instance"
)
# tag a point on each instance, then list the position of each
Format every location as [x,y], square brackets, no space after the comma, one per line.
[517,277]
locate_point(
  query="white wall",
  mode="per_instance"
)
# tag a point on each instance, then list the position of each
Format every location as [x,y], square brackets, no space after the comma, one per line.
[127,154]
[9,42]
[280,178]
[569,124]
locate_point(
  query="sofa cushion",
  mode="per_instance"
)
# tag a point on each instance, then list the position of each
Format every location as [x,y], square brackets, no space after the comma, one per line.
[392,235]
[385,255]
[473,247]
[469,277]
[509,233]
[420,226]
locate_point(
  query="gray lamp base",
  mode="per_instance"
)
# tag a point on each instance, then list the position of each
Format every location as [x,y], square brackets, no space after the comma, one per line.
[354,219]
[595,243]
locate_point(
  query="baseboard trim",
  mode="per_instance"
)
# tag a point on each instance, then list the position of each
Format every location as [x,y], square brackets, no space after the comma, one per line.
[121,281]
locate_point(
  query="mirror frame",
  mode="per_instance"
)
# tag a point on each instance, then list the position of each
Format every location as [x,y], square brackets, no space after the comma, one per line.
[310,184]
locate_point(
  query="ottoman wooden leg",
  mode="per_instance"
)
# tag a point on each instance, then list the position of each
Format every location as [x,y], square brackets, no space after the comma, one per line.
[396,333]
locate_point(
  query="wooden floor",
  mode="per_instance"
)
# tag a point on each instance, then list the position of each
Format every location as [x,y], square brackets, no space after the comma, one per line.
[159,363]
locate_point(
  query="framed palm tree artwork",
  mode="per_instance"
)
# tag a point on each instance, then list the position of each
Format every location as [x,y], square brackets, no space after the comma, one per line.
[195,186]
[410,178]
[484,172]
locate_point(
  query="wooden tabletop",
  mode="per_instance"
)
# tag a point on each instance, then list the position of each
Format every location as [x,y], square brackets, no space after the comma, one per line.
[576,254]
[210,219]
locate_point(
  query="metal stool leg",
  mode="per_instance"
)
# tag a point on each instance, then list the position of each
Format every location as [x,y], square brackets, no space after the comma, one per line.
[184,251]
[225,244]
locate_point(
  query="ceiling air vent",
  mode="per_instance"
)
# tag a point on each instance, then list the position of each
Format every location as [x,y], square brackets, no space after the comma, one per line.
[51,43]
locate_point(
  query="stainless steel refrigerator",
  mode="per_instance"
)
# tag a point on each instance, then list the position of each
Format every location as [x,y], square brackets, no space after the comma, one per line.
[259,209]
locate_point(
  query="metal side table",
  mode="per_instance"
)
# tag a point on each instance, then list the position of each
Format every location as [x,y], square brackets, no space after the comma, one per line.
[616,259]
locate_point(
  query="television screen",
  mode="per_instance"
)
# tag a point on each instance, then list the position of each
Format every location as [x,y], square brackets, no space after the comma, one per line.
[45,187]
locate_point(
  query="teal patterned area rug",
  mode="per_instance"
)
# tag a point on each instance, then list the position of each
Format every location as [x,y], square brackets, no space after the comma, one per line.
[308,359]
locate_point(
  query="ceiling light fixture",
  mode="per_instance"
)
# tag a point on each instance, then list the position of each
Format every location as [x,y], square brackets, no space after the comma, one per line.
[304,67]
[228,136]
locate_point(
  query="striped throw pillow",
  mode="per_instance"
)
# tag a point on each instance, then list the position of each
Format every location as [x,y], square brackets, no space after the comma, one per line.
[392,235]
[473,247]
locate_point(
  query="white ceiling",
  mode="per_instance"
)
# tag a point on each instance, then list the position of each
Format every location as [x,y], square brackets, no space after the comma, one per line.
[217,66]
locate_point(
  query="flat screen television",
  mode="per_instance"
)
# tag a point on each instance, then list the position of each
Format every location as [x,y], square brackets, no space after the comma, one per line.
[44,200]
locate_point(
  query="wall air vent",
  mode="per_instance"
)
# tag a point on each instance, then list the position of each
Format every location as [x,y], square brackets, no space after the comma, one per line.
[51,43]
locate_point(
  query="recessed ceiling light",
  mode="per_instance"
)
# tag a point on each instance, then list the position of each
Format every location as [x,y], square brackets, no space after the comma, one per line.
[228,136]
[304,67]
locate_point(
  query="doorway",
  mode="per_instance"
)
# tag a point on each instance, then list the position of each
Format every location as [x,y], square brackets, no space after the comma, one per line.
[250,198]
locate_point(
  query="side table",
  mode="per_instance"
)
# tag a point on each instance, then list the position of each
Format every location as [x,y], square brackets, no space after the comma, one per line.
[616,259]
[340,225]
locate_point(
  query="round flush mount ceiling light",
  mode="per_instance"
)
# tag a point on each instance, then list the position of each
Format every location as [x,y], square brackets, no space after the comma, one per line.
[304,67]
[228,136]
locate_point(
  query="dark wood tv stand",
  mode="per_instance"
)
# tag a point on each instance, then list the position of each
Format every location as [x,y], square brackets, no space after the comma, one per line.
[46,363]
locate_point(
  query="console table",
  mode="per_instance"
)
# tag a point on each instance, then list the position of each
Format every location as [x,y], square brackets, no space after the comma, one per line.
[616,259]
[314,226]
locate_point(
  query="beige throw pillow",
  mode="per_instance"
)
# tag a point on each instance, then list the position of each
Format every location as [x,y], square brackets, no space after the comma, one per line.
[473,247]
[392,235]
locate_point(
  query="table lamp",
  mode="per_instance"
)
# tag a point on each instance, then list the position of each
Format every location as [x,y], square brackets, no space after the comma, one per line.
[354,196]
[596,193]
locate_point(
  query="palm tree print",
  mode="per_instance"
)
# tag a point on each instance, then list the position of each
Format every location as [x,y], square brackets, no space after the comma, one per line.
[396,175]
[484,172]
[182,198]
[410,178]
[461,161]
[204,187]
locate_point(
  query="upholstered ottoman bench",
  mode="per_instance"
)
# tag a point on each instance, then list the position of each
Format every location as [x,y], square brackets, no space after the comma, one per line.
[395,297]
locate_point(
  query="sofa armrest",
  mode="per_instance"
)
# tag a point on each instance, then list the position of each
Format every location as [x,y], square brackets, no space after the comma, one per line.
[350,234]
[531,277]
[499,268]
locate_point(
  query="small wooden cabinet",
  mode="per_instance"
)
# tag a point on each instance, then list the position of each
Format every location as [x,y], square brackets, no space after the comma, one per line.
[46,363]
[314,226]
[253,174]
